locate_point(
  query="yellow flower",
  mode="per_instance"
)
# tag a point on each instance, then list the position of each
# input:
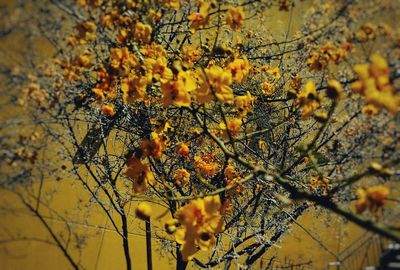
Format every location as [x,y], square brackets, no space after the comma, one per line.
[175,4]
[143,211]
[153,15]
[232,126]
[321,117]
[86,32]
[177,92]
[142,32]
[90,3]
[367,32]
[205,165]
[181,176]
[235,17]
[378,168]
[379,66]
[240,69]
[372,198]
[170,225]
[232,177]
[83,60]
[199,221]
[275,73]
[370,110]
[134,88]
[153,50]
[244,103]
[203,94]
[230,172]
[123,60]
[157,69]
[374,85]
[153,147]
[123,34]
[183,150]
[219,80]
[140,174]
[308,99]
[99,93]
[328,54]
[320,183]
[362,71]
[200,19]
[190,55]
[108,110]
[268,88]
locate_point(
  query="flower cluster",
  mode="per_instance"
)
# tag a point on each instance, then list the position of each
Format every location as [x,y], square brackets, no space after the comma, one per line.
[374,85]
[206,165]
[328,54]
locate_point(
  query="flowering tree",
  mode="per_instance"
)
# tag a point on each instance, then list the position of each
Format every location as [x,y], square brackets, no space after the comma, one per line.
[235,130]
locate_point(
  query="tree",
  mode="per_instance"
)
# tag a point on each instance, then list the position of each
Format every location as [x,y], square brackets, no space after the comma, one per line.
[233,129]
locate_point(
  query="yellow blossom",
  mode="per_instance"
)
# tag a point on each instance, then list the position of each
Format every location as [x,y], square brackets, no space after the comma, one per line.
[175,4]
[35,93]
[328,54]
[134,88]
[268,88]
[370,110]
[123,60]
[157,69]
[86,33]
[108,110]
[154,15]
[232,177]
[230,172]
[374,85]
[219,80]
[181,176]
[99,93]
[140,174]
[240,69]
[275,73]
[153,147]
[142,32]
[199,221]
[320,183]
[205,165]
[200,19]
[190,55]
[232,126]
[244,103]
[235,17]
[177,92]
[170,225]
[89,3]
[367,32]
[143,211]
[372,198]
[183,150]
[308,99]
[153,50]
